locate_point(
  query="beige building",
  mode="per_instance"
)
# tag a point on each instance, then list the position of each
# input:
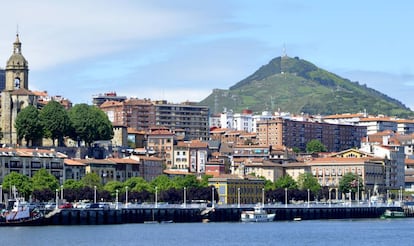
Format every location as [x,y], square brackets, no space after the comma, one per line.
[370,170]
[231,188]
[29,161]
[162,142]
[16,94]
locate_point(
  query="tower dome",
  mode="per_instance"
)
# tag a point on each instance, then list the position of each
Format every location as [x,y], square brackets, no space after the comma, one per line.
[17,60]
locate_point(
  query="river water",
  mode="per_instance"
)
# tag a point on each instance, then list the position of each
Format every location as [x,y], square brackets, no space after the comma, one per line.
[315,232]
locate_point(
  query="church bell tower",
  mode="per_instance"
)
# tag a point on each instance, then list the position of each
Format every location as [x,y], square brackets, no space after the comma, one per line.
[16,94]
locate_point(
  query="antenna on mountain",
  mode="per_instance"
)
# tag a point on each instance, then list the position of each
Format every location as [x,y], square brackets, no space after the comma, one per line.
[284,51]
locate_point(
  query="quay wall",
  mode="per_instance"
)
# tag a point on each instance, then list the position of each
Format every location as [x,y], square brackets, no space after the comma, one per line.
[218,214]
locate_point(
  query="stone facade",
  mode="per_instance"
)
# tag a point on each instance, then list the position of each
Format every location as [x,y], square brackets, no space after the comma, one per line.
[16,94]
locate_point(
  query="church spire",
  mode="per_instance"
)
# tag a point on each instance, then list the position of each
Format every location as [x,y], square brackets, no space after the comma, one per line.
[17,46]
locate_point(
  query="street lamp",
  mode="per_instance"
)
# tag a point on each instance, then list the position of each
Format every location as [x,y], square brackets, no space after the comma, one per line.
[185,196]
[369,198]
[61,192]
[212,197]
[238,197]
[156,198]
[286,198]
[330,190]
[116,199]
[350,198]
[308,197]
[57,198]
[401,194]
[263,197]
[94,194]
[126,196]
[1,193]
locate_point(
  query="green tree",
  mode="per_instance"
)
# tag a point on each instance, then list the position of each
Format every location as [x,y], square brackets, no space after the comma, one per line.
[315,145]
[188,181]
[28,125]
[204,180]
[286,181]
[89,124]
[307,181]
[350,182]
[72,184]
[22,183]
[113,185]
[55,121]
[137,184]
[91,180]
[42,179]
[162,182]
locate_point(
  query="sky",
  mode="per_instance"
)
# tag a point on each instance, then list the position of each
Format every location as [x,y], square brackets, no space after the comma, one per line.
[183,49]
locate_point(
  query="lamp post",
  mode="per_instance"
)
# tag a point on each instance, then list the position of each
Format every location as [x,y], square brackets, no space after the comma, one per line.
[308,197]
[156,196]
[57,198]
[330,190]
[369,198]
[116,199]
[1,193]
[358,189]
[238,197]
[185,196]
[286,198]
[212,197]
[263,197]
[350,198]
[401,194]
[61,192]
[126,197]
[94,194]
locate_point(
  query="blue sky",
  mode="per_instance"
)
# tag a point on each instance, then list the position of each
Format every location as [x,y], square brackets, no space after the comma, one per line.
[181,50]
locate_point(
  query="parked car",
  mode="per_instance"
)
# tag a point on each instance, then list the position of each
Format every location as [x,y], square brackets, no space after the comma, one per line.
[50,205]
[66,205]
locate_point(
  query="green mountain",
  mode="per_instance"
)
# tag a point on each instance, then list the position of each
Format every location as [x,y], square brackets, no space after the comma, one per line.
[298,86]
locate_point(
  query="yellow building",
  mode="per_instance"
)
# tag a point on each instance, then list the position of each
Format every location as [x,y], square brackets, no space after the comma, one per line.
[231,188]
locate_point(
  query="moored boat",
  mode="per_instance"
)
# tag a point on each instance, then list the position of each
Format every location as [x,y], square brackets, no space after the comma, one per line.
[259,214]
[391,214]
[21,215]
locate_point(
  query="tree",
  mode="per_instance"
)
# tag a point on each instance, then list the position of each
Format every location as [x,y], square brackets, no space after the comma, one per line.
[187,181]
[89,123]
[350,182]
[307,181]
[137,184]
[28,125]
[112,186]
[91,180]
[42,179]
[315,145]
[286,181]
[162,182]
[72,184]
[22,183]
[55,121]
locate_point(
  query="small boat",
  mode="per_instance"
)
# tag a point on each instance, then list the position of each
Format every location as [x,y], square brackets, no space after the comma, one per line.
[258,215]
[297,218]
[391,214]
[21,215]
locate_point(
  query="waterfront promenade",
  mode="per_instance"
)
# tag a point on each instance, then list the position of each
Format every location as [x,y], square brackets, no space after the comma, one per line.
[179,213]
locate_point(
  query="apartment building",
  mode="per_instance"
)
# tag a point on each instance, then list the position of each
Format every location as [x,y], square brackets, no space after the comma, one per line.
[290,133]
[161,141]
[29,161]
[191,118]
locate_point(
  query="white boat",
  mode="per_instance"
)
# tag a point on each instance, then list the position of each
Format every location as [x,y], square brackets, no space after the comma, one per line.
[258,215]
